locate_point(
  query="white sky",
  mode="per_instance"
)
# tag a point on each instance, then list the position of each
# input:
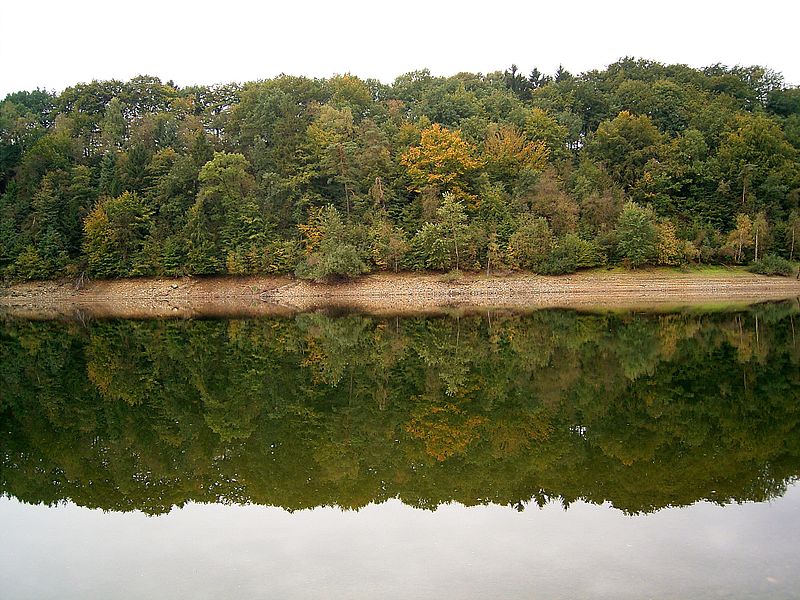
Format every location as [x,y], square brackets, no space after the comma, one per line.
[54,44]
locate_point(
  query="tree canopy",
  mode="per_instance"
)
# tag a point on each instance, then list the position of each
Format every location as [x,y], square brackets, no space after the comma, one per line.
[116,179]
[642,411]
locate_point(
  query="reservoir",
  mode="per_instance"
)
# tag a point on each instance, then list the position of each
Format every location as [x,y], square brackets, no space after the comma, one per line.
[543,454]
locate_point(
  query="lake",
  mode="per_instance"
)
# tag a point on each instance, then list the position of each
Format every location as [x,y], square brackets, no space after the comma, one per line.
[550,454]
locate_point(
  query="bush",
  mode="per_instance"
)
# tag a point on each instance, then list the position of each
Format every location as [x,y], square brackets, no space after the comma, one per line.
[637,235]
[569,254]
[333,262]
[29,265]
[281,256]
[334,248]
[529,245]
[430,250]
[771,265]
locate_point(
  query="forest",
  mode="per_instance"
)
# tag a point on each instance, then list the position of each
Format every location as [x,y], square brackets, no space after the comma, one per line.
[642,411]
[638,164]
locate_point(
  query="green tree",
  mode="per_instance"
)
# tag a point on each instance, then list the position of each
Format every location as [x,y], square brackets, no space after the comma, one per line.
[388,244]
[637,235]
[334,248]
[222,213]
[624,145]
[113,126]
[453,221]
[115,234]
[529,246]
[542,127]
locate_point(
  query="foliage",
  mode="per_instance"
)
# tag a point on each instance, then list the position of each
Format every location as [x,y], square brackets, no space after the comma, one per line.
[226,176]
[442,160]
[624,145]
[115,234]
[333,249]
[637,235]
[569,254]
[742,237]
[499,408]
[771,264]
[507,152]
[429,249]
[529,245]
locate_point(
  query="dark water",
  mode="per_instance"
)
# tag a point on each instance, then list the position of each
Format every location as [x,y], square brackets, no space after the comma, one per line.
[549,455]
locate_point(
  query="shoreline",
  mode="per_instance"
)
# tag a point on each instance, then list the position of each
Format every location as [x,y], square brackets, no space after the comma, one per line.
[388,293]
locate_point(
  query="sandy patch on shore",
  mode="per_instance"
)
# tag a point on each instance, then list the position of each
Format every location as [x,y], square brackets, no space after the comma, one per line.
[385,293]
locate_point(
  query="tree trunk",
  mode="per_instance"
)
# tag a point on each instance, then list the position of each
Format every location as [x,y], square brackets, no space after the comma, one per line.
[756,244]
[344,177]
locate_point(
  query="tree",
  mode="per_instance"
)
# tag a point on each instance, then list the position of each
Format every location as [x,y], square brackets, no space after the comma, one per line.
[442,160]
[542,127]
[699,146]
[453,220]
[334,248]
[741,237]
[760,230]
[529,246]
[624,145]
[494,253]
[759,163]
[637,235]
[794,231]
[568,254]
[506,152]
[115,233]
[389,244]
[549,199]
[333,144]
[669,246]
[113,126]
[223,206]
[517,82]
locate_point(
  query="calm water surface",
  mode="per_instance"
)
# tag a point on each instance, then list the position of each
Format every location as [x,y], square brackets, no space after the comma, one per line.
[549,455]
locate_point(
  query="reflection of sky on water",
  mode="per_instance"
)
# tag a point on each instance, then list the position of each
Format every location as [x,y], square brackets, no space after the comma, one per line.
[394,551]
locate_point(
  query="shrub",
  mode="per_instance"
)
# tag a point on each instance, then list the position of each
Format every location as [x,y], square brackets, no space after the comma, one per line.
[453,276]
[569,254]
[430,250]
[529,245]
[771,265]
[335,262]
[334,248]
[637,235]
[29,265]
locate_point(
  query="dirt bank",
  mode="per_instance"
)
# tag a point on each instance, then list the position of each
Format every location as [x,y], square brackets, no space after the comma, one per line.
[390,294]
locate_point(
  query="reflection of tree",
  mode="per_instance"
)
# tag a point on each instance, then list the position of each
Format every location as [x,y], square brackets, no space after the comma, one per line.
[640,411]
[445,429]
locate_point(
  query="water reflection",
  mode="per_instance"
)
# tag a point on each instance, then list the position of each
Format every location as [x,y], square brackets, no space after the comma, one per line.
[641,411]
[392,551]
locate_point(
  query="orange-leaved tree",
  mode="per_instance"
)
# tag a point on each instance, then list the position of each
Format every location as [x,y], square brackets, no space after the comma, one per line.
[443,161]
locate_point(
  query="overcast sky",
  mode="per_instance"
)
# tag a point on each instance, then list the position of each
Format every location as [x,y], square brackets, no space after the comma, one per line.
[54,44]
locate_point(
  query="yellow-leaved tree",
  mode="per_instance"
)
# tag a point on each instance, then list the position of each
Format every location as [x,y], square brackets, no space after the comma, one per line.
[507,151]
[442,161]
